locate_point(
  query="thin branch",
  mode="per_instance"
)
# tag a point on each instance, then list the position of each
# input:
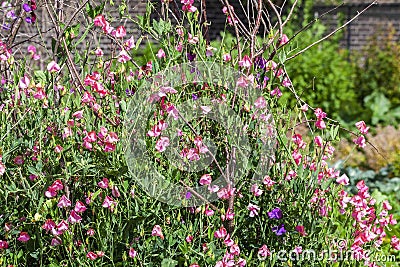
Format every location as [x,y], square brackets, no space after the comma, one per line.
[333,32]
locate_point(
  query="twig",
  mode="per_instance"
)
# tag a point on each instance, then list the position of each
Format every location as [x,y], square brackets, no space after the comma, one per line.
[333,32]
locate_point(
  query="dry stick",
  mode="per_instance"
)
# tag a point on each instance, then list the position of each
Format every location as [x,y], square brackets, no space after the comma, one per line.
[333,32]
[205,25]
[235,27]
[279,18]
[255,30]
[290,13]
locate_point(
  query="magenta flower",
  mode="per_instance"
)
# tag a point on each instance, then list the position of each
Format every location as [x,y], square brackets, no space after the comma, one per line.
[27,7]
[343,180]
[256,190]
[103,183]
[49,225]
[123,57]
[254,209]
[360,141]
[284,39]
[23,237]
[79,207]
[275,214]
[157,231]
[53,67]
[264,251]
[19,160]
[205,179]
[64,202]
[300,230]
[245,62]
[395,242]
[91,255]
[74,217]
[132,253]
[362,127]
[3,244]
[220,233]
[120,32]
[162,144]
[56,241]
[62,226]
[109,203]
[90,232]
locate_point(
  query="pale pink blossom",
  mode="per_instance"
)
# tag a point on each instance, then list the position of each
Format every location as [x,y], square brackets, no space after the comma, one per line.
[157,231]
[53,67]
[161,53]
[245,62]
[162,144]
[254,209]
[205,179]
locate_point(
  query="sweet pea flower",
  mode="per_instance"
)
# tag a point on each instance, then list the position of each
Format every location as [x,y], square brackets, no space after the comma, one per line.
[284,39]
[120,32]
[79,207]
[3,244]
[123,57]
[53,67]
[343,180]
[300,230]
[220,233]
[103,183]
[264,251]
[205,179]
[55,241]
[254,209]
[64,202]
[74,217]
[162,144]
[226,57]
[245,62]
[157,231]
[360,141]
[362,127]
[23,237]
[132,253]
[279,230]
[275,214]
[161,53]
[395,242]
[91,255]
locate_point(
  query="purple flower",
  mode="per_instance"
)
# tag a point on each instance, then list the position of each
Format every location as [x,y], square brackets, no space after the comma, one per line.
[279,230]
[28,20]
[11,15]
[27,7]
[194,97]
[260,62]
[188,195]
[275,214]
[191,57]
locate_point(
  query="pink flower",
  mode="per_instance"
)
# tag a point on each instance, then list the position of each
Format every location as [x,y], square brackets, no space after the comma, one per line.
[103,183]
[91,255]
[74,217]
[78,114]
[264,251]
[297,157]
[115,191]
[245,62]
[161,53]
[254,209]
[132,253]
[64,202]
[260,103]
[100,21]
[58,149]
[53,67]
[205,179]
[55,241]
[284,39]
[98,52]
[24,82]
[226,57]
[90,232]
[3,244]
[120,32]
[162,144]
[360,141]
[157,231]
[62,226]
[19,160]
[318,141]
[220,233]
[23,237]
[242,82]
[123,57]
[48,225]
[255,190]
[189,238]
[386,205]
[362,127]
[79,207]
[109,203]
[343,180]
[276,92]
[130,43]
[320,124]
[205,109]
[2,168]
[395,242]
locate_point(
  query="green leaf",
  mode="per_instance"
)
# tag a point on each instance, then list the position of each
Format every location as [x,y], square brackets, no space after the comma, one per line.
[169,263]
